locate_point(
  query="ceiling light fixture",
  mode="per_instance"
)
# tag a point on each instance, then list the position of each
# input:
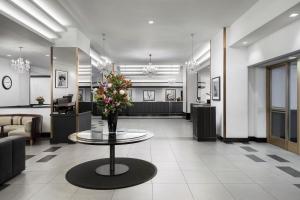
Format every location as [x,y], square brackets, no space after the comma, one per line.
[293,15]
[150,22]
[21,65]
[31,9]
[17,15]
[245,43]
[150,70]
[8,55]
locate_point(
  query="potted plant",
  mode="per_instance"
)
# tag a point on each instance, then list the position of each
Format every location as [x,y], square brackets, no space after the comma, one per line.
[112,96]
[40,100]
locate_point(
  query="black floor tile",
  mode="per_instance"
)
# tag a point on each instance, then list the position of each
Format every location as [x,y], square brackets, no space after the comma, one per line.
[278,158]
[297,185]
[46,158]
[291,171]
[3,186]
[52,149]
[255,158]
[29,156]
[249,149]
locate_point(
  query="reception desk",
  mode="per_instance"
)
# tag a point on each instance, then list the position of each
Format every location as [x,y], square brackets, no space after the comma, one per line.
[154,108]
[140,108]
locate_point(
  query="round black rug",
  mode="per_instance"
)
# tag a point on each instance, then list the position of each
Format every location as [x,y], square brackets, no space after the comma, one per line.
[84,175]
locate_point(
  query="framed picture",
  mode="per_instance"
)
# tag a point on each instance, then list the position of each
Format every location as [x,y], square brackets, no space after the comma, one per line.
[216,89]
[170,94]
[61,79]
[149,95]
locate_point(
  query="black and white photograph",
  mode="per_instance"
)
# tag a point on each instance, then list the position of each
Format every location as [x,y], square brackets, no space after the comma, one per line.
[216,90]
[61,79]
[170,94]
[149,95]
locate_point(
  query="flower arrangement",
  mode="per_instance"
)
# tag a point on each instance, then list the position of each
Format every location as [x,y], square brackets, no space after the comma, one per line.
[40,99]
[112,95]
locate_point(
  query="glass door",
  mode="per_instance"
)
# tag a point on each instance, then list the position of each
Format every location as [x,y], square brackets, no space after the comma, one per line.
[278,105]
[283,128]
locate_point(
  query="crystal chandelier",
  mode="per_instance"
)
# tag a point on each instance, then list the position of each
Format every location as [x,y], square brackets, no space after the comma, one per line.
[150,69]
[21,65]
[192,63]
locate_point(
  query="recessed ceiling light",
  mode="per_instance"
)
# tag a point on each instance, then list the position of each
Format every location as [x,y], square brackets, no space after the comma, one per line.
[293,15]
[8,55]
[150,22]
[292,57]
[47,55]
[54,58]
[245,43]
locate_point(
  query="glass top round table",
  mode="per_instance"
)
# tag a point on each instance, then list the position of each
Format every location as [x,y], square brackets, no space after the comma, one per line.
[120,137]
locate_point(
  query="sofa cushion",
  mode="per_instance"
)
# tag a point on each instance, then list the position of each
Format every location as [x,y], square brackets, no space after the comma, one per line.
[9,128]
[26,119]
[17,120]
[20,132]
[5,120]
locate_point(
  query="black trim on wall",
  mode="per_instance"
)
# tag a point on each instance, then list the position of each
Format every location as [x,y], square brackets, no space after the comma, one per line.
[40,76]
[231,140]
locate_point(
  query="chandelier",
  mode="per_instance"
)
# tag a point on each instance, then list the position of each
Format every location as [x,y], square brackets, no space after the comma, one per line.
[21,65]
[150,70]
[192,63]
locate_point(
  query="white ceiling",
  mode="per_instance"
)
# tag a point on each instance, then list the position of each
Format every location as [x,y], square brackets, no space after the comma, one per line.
[130,38]
[13,35]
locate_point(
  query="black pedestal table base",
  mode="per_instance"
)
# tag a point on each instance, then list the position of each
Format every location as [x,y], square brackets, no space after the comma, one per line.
[105,170]
[85,175]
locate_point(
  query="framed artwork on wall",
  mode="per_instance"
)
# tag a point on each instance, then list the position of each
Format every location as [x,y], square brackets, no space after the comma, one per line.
[170,94]
[149,95]
[61,79]
[216,89]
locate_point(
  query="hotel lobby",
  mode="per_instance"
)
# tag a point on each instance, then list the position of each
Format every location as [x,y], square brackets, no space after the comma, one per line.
[149,100]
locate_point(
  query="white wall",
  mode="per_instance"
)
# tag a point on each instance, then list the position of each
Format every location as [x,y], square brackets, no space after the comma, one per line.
[217,70]
[160,95]
[40,86]
[67,63]
[45,112]
[236,93]
[19,92]
[283,41]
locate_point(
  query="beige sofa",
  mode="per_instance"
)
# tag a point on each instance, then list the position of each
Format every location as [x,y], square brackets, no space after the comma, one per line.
[28,125]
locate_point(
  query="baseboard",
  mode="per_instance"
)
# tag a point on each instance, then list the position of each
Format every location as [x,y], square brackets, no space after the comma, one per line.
[243,140]
[187,116]
[260,140]
[45,134]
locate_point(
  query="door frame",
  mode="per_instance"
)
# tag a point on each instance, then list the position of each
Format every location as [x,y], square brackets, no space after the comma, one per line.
[283,143]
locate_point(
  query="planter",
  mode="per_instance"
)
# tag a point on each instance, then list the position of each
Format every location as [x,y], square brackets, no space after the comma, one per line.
[40,102]
[112,121]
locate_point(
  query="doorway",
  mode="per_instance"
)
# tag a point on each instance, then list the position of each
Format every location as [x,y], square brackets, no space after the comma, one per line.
[282,104]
